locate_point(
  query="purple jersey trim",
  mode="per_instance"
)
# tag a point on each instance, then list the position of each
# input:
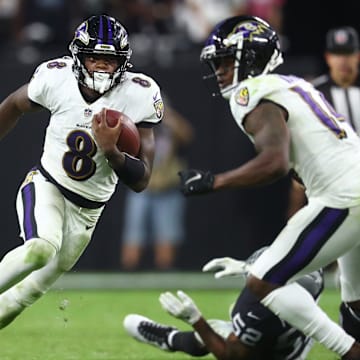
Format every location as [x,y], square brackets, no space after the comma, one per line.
[319,112]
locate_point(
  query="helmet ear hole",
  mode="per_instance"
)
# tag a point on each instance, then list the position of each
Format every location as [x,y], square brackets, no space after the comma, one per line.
[249,60]
[252,63]
[249,57]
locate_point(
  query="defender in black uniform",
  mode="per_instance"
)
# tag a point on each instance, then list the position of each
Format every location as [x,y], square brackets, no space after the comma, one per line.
[261,334]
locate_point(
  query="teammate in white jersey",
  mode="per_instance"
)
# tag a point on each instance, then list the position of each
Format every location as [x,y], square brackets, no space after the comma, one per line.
[292,126]
[62,198]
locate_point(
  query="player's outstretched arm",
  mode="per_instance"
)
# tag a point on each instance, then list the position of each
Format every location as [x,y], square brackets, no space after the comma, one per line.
[266,124]
[230,348]
[226,266]
[12,107]
[184,308]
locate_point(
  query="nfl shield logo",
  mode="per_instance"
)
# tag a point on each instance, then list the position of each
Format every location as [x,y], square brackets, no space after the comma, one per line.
[341,37]
[87,112]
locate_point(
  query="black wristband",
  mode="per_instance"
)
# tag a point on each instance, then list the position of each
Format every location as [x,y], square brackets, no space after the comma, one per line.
[132,171]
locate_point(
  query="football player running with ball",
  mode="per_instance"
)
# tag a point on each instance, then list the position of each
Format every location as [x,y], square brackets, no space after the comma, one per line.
[260,334]
[62,198]
[292,126]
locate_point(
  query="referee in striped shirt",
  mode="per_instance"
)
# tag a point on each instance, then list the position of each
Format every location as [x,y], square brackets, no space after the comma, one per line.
[341,86]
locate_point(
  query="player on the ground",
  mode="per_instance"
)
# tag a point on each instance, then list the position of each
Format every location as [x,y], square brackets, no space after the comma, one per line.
[259,333]
[62,197]
[291,126]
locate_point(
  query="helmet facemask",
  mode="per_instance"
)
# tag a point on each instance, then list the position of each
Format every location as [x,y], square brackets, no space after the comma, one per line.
[99,81]
[214,61]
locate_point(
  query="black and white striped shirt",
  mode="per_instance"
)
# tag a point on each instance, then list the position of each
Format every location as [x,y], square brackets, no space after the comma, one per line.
[346,101]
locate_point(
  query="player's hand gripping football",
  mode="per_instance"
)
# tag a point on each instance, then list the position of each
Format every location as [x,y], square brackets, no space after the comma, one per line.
[226,266]
[195,181]
[180,306]
[106,136]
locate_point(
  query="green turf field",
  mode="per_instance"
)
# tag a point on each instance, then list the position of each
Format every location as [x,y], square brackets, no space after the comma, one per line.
[90,327]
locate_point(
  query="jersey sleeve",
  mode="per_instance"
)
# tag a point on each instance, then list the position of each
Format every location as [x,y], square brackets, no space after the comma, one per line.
[262,331]
[151,109]
[251,91]
[38,89]
[254,325]
[155,107]
[44,81]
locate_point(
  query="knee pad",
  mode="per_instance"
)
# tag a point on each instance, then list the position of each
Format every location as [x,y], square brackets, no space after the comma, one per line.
[350,321]
[39,252]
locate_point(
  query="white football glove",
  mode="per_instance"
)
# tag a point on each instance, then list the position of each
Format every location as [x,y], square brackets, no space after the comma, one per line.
[226,266]
[181,307]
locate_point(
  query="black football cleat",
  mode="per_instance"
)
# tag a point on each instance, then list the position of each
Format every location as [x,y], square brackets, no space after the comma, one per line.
[148,331]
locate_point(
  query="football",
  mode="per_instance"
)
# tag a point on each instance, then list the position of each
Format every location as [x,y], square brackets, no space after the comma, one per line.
[129,139]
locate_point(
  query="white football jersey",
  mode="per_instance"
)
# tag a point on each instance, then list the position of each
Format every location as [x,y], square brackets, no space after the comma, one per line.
[325,151]
[70,153]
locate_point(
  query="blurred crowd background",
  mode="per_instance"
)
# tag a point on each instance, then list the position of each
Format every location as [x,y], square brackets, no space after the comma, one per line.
[160,30]
[166,37]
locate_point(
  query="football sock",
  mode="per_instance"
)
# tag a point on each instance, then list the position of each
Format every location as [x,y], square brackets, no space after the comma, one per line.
[186,342]
[350,320]
[295,305]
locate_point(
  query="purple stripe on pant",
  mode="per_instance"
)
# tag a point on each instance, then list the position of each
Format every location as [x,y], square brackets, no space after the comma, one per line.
[308,244]
[29,223]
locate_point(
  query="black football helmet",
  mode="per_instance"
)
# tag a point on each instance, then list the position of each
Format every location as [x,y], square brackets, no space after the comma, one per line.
[250,41]
[102,35]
